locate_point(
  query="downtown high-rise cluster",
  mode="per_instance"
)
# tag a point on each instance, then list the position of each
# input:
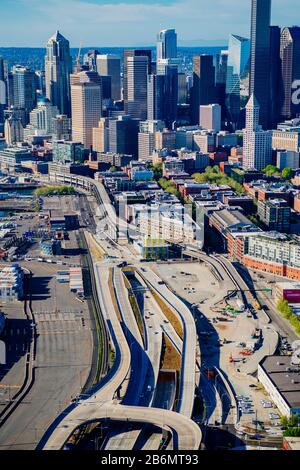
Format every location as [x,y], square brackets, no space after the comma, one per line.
[130,105]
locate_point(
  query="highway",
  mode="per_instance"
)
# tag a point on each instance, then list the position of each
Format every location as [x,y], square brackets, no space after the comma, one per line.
[159,317]
[188,366]
[124,439]
[186,434]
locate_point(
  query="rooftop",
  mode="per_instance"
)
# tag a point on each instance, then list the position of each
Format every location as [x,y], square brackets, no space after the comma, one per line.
[285,377]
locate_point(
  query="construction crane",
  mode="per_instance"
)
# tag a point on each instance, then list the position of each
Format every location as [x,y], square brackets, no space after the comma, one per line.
[78,58]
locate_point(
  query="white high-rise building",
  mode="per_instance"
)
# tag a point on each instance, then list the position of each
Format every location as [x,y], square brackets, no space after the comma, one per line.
[257,145]
[146,138]
[210,117]
[41,117]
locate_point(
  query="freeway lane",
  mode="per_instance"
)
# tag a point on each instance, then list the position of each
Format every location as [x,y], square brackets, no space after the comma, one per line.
[185,432]
[188,366]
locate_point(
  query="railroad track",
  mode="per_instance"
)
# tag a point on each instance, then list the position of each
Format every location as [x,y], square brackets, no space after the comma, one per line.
[101,335]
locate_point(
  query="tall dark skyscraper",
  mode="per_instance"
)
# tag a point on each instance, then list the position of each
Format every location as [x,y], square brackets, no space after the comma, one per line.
[290,70]
[2,90]
[275,33]
[58,67]
[137,73]
[123,135]
[155,97]
[23,92]
[133,53]
[203,91]
[260,57]
[167,44]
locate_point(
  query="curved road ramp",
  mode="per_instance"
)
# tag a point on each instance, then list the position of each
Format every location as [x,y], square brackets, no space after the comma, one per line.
[186,434]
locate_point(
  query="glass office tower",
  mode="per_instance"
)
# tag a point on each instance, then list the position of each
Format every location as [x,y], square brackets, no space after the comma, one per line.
[237,70]
[260,57]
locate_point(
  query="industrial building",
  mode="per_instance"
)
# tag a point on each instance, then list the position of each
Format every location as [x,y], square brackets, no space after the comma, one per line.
[281,379]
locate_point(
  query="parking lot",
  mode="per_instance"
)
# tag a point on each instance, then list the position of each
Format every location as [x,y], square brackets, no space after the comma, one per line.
[63,345]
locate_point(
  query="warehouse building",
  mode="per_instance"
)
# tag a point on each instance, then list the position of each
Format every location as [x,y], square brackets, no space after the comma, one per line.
[281,379]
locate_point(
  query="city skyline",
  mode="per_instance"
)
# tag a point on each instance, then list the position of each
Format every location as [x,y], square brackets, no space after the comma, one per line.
[134,22]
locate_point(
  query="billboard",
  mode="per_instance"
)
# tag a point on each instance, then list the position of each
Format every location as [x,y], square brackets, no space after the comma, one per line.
[292,296]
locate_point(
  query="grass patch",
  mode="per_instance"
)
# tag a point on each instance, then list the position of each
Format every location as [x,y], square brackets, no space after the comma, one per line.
[137,314]
[112,357]
[170,357]
[287,312]
[112,294]
[170,315]
[55,191]
[96,252]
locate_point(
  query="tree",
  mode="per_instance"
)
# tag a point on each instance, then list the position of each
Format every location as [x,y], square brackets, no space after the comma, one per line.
[157,170]
[287,174]
[271,170]
[292,426]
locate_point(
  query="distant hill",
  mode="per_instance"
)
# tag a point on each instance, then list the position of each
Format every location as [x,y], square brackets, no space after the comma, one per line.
[34,57]
[203,43]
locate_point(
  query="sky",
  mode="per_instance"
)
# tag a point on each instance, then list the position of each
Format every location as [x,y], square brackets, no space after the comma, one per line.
[102,23]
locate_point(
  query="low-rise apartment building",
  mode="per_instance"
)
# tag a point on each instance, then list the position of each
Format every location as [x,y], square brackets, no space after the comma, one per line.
[274,253]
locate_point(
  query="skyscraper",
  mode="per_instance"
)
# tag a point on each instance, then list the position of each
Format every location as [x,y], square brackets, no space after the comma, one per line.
[23,89]
[170,90]
[2,90]
[275,63]
[90,59]
[110,65]
[167,44]
[210,117]
[290,69]
[257,152]
[155,97]
[137,73]
[86,106]
[260,57]
[41,117]
[146,138]
[13,130]
[203,90]
[101,136]
[123,135]
[237,69]
[221,60]
[134,53]
[58,67]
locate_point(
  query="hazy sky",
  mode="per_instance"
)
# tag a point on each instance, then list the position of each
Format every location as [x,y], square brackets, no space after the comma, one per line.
[130,22]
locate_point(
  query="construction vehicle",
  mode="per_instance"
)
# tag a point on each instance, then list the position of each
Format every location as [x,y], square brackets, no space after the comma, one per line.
[257,305]
[246,352]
